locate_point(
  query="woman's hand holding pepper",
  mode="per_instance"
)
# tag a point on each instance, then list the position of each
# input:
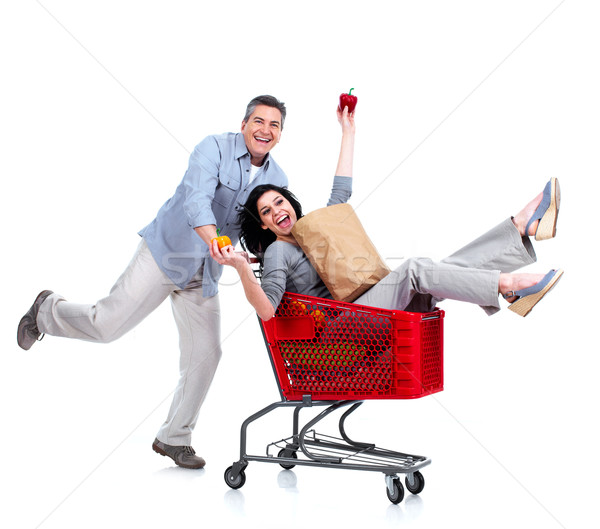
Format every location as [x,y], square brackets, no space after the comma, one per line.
[228,256]
[254,293]
[346,120]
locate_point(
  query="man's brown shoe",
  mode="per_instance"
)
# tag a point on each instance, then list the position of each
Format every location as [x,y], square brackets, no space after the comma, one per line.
[27,332]
[184,456]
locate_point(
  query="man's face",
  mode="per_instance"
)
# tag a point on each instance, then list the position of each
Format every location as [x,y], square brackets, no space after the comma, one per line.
[262,132]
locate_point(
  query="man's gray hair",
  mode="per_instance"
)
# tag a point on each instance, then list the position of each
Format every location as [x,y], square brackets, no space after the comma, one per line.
[269,101]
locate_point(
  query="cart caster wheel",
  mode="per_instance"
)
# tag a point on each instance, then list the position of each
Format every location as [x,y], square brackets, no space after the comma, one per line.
[235,482]
[417,485]
[398,495]
[286,452]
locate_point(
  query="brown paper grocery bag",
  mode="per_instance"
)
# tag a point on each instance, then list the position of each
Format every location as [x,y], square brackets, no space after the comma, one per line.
[337,246]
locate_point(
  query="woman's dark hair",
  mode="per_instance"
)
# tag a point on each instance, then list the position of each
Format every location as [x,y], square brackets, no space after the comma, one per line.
[253,237]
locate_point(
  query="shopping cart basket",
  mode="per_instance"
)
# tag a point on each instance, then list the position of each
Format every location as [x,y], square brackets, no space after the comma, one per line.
[334,354]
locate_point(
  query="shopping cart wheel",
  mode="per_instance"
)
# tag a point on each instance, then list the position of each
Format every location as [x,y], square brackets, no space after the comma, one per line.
[397,495]
[237,481]
[286,452]
[416,485]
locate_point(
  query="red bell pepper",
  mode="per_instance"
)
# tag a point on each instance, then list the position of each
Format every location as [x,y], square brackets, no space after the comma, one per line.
[348,100]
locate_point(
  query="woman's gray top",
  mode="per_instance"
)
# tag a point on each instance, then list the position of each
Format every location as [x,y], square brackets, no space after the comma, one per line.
[286,267]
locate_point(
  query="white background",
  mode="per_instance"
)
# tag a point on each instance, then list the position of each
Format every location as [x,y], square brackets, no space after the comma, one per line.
[465,110]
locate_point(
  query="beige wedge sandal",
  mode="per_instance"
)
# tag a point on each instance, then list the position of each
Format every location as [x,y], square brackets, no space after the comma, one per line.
[546,212]
[528,298]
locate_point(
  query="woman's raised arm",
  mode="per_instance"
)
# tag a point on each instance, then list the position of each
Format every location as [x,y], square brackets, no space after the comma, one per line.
[346,158]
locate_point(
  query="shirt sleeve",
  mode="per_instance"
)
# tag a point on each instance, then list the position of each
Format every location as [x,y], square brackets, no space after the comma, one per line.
[341,190]
[275,272]
[200,182]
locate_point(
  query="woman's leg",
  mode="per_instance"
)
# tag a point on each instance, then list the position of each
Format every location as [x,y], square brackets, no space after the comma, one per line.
[139,290]
[501,248]
[507,247]
[419,284]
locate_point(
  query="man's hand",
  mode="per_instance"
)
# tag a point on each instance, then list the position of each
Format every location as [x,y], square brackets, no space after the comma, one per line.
[206,233]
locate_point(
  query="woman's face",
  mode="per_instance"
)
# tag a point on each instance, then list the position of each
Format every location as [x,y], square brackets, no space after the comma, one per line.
[276,213]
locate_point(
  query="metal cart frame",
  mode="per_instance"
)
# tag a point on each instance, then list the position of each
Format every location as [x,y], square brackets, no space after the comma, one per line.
[306,447]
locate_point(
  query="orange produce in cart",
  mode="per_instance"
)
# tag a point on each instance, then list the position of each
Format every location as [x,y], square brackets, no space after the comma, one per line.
[297,308]
[319,317]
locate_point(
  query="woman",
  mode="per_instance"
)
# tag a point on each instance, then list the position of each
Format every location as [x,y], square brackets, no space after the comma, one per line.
[477,273]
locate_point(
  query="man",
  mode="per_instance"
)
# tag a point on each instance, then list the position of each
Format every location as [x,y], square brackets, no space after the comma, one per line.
[173,261]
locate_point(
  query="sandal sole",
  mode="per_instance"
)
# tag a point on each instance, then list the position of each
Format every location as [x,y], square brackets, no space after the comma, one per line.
[523,306]
[547,226]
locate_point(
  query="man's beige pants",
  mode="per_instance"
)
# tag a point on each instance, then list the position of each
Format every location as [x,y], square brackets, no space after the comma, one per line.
[140,290]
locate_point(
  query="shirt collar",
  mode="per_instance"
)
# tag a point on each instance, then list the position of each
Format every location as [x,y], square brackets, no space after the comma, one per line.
[242,150]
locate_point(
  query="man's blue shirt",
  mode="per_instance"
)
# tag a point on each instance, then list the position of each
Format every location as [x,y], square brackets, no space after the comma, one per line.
[213,189]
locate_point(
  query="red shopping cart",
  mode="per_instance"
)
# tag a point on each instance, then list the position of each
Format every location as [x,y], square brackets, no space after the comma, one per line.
[334,354]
